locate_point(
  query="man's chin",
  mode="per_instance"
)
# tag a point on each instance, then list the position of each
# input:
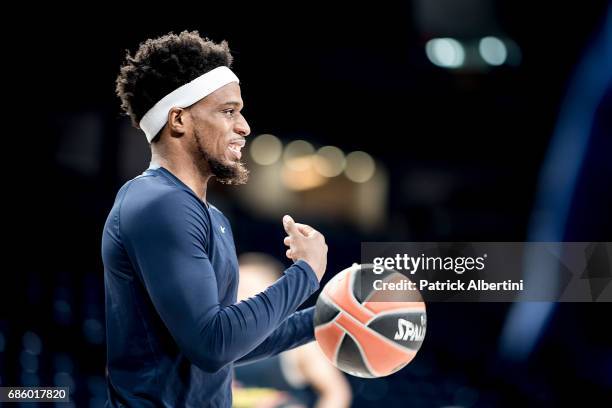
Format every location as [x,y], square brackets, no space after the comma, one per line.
[234,172]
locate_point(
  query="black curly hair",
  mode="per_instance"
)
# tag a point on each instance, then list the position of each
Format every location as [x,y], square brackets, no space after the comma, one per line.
[163,64]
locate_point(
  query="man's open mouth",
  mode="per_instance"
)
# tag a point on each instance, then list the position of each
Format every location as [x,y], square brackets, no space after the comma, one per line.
[235,146]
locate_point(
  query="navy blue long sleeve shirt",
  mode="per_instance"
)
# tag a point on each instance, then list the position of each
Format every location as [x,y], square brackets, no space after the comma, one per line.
[173,326]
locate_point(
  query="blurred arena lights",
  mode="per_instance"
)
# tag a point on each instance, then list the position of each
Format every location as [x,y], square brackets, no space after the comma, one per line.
[301,182]
[295,153]
[473,54]
[266,149]
[360,167]
[445,52]
[493,50]
[329,161]
[299,174]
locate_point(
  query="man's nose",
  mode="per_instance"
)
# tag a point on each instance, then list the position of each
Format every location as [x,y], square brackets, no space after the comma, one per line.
[242,127]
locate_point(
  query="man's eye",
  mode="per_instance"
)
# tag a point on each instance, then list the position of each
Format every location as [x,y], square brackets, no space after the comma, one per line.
[230,111]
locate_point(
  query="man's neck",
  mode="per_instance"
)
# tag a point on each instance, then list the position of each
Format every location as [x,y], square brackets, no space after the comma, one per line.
[186,171]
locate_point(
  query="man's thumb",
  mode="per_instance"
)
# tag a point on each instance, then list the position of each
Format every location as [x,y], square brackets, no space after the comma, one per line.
[289,225]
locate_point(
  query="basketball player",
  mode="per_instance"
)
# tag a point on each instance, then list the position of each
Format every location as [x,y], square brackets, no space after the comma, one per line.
[302,376]
[174,329]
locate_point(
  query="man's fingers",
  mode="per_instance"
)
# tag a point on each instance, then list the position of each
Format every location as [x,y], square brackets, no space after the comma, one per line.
[306,230]
[287,241]
[288,253]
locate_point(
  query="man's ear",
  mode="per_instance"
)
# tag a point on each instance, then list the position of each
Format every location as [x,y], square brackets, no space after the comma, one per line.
[178,120]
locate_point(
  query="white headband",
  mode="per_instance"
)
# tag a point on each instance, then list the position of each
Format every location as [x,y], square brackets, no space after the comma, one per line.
[186,95]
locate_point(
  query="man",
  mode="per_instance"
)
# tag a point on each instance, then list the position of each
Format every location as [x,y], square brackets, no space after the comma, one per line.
[174,329]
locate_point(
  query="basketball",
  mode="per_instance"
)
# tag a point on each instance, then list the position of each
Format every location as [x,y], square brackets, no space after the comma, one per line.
[367,332]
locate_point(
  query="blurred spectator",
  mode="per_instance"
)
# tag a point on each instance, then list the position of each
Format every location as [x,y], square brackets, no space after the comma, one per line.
[301,377]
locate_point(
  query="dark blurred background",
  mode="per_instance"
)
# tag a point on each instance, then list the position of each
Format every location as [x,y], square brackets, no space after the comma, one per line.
[472,120]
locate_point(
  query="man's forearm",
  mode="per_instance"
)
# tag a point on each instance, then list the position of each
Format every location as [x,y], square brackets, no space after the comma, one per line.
[297,330]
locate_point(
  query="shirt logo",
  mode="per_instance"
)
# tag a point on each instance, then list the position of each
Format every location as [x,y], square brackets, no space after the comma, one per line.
[222,228]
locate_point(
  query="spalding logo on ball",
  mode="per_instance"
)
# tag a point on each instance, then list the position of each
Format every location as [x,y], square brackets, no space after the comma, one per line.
[366,332]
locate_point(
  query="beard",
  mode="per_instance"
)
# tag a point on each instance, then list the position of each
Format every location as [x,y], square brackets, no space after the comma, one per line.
[235,173]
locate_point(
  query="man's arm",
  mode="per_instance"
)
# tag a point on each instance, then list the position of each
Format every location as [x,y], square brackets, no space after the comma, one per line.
[297,330]
[166,241]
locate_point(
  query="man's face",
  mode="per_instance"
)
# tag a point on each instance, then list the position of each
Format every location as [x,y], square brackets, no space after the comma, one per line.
[219,132]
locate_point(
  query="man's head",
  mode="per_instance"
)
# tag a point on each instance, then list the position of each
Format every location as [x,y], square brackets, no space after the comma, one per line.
[257,272]
[211,132]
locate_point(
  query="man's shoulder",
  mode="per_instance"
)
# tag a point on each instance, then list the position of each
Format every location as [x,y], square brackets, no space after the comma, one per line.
[148,193]
[217,212]
[153,207]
